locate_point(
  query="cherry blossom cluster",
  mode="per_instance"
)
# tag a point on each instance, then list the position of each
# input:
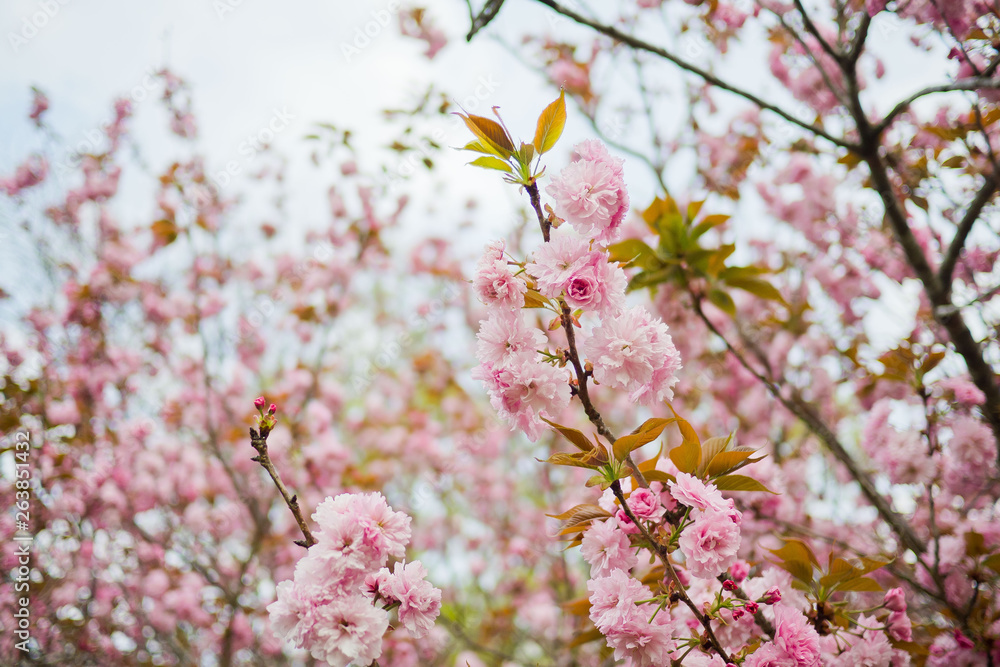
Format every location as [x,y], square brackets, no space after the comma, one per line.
[337,605]
[628,348]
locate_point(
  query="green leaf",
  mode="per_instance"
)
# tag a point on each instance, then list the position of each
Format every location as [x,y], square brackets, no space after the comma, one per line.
[592,460]
[722,301]
[550,125]
[861,584]
[490,162]
[479,147]
[799,569]
[709,222]
[757,287]
[571,434]
[795,550]
[693,209]
[634,252]
[740,483]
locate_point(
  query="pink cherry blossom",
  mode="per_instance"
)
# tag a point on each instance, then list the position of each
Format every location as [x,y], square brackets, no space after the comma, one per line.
[349,630]
[691,491]
[556,261]
[504,336]
[494,282]
[795,636]
[606,547]
[591,195]
[524,390]
[710,544]
[419,601]
[634,352]
[645,504]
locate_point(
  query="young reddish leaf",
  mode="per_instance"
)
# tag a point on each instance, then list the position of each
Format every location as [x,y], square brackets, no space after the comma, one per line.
[490,133]
[571,434]
[526,153]
[586,637]
[729,461]
[686,456]
[740,483]
[550,125]
[579,460]
[490,162]
[589,510]
[578,607]
[625,445]
[709,450]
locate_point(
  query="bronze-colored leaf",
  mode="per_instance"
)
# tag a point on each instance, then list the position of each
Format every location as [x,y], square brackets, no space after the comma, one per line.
[550,125]
[490,133]
[740,483]
[571,434]
[490,162]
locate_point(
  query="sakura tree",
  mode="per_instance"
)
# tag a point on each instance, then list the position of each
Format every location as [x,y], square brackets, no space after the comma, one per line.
[774,375]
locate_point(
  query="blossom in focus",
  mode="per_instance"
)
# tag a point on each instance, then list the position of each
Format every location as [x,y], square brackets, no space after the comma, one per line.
[634,352]
[606,547]
[590,193]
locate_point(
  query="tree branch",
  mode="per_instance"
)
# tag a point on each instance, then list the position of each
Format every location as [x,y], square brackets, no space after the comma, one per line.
[708,77]
[972,83]
[259,442]
[951,256]
[808,416]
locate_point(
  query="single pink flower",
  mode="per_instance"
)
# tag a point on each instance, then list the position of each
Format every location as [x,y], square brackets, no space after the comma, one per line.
[710,544]
[606,547]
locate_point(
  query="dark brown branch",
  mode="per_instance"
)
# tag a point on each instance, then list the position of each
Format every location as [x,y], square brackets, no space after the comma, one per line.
[664,557]
[811,419]
[707,76]
[951,256]
[972,83]
[259,443]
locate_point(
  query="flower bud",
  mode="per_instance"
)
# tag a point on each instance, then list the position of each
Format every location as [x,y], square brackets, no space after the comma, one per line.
[895,600]
[729,585]
[771,596]
[751,607]
[259,402]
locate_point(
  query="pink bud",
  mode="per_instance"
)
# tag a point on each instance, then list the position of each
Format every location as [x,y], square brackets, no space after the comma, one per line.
[729,585]
[739,570]
[895,600]
[259,402]
[771,596]
[737,614]
[963,641]
[272,409]
[751,607]
[900,628]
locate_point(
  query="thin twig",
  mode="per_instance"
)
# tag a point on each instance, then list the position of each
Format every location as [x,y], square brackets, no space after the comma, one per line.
[259,443]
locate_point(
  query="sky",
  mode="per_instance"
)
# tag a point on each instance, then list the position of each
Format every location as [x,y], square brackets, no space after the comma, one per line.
[249,62]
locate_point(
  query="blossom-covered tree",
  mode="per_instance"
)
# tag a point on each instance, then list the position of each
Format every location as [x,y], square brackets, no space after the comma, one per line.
[775,462]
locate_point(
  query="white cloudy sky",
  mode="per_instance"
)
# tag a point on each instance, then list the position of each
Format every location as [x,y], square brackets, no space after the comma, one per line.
[261,56]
